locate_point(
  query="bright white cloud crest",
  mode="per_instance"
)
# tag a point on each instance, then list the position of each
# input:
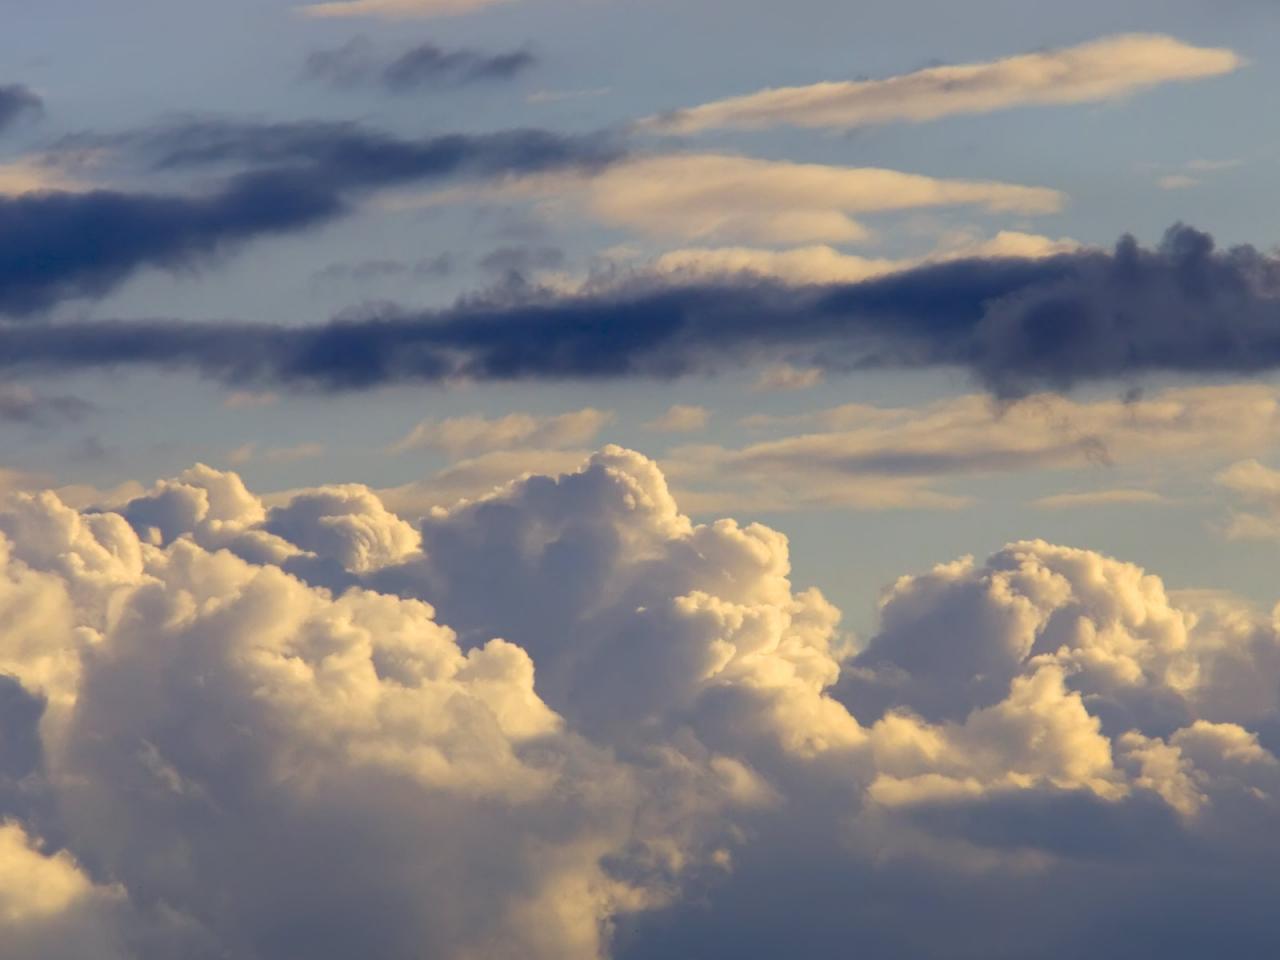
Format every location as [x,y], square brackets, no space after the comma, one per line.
[541,723]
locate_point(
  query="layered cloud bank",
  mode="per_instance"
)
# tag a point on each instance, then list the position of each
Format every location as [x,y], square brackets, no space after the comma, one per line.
[1015,324]
[564,721]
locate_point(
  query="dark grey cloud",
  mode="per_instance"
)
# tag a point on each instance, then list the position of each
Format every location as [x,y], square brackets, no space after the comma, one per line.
[365,271]
[522,260]
[424,67]
[16,101]
[1015,325]
[280,179]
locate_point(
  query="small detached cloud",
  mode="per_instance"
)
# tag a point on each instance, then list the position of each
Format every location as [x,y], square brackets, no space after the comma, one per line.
[1098,498]
[1101,70]
[397,9]
[681,418]
[423,68]
[21,404]
[16,102]
[1258,486]
[458,436]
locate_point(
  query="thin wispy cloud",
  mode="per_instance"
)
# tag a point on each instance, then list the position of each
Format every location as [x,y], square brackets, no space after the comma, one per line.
[396,9]
[1091,72]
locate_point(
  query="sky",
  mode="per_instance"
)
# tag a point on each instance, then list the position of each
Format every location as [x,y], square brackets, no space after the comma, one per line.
[596,479]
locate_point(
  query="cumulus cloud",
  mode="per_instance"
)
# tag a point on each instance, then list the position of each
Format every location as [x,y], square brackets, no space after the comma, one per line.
[207,703]
[477,434]
[1103,69]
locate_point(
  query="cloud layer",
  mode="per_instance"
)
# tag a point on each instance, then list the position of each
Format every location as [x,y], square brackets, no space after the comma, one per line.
[1016,325]
[208,703]
[1101,70]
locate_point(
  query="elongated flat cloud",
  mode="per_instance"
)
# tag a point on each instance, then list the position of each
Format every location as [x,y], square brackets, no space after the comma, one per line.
[397,9]
[422,68]
[1015,325]
[871,457]
[61,244]
[824,264]
[704,196]
[478,434]
[1101,70]
[199,724]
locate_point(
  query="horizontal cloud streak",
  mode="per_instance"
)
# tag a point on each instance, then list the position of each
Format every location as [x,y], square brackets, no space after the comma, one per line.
[1101,70]
[1015,325]
[424,67]
[55,245]
[396,9]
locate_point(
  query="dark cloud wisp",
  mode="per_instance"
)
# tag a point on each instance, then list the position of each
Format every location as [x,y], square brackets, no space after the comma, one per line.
[16,101]
[1015,325]
[282,178]
[425,67]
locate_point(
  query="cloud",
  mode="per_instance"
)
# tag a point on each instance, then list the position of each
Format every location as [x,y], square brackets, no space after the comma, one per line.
[783,376]
[478,434]
[201,728]
[869,457]
[1101,70]
[249,451]
[822,264]
[298,176]
[1016,325]
[700,196]
[1098,498]
[681,418]
[16,101]
[1258,485]
[397,9]
[424,67]
[21,404]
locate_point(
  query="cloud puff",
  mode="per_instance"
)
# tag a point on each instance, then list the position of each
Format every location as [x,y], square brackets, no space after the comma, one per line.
[195,736]
[1100,70]
[681,418]
[424,67]
[16,101]
[1259,486]
[21,404]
